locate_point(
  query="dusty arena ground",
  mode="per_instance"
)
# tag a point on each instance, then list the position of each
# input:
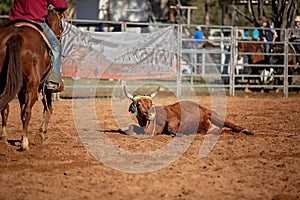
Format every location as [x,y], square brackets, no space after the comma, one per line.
[263,166]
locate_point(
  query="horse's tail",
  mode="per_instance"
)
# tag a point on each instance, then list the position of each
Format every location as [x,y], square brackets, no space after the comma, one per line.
[11,73]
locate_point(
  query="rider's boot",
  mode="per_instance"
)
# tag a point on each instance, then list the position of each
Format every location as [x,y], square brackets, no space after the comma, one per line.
[53,83]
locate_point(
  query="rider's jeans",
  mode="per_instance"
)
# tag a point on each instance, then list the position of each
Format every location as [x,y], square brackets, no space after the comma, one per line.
[268,48]
[55,53]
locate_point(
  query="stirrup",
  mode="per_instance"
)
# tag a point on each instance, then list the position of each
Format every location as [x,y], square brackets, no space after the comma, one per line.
[54,86]
[51,85]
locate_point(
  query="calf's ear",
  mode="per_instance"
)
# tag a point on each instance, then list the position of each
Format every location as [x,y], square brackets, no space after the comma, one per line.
[132,107]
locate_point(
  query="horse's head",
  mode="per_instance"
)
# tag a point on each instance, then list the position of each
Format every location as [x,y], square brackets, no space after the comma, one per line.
[241,48]
[275,59]
[54,21]
[251,48]
[141,106]
[277,55]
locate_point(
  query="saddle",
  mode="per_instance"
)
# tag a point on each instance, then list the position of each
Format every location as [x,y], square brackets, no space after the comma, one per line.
[39,29]
[29,23]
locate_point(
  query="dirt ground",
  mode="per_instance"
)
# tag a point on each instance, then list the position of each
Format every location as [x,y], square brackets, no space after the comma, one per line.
[263,166]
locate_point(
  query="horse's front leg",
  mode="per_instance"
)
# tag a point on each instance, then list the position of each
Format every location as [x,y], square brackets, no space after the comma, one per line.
[277,81]
[47,102]
[261,80]
[247,90]
[4,116]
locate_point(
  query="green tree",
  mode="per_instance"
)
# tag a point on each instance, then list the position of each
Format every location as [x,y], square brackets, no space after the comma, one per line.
[5,6]
[244,13]
[281,12]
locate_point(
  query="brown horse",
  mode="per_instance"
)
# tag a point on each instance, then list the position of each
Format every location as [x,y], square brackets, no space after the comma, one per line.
[278,59]
[3,21]
[256,57]
[24,66]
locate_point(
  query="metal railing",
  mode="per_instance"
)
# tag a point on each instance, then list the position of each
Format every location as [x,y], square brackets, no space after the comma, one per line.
[216,64]
[232,78]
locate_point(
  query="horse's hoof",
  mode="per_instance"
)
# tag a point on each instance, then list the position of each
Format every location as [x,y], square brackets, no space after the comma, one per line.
[247,91]
[39,139]
[24,148]
[24,144]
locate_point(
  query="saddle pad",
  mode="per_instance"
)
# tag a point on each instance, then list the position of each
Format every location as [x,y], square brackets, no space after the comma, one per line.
[20,24]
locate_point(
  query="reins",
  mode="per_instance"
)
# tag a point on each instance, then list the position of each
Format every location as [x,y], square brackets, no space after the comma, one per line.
[60,29]
[67,24]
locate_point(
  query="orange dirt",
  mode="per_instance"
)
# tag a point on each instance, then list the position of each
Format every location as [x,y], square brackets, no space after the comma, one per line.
[263,166]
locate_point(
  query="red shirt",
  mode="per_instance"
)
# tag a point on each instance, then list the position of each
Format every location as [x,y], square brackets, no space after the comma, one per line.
[35,10]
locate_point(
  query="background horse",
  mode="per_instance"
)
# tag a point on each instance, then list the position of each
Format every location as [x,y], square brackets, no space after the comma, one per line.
[255,56]
[279,60]
[24,66]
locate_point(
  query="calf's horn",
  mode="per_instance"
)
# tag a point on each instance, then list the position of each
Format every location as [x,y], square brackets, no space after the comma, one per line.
[152,95]
[130,96]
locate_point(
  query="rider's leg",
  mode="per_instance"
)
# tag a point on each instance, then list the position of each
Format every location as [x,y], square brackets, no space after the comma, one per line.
[55,73]
[298,52]
[268,48]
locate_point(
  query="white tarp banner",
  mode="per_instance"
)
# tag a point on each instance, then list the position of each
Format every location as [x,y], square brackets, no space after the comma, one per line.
[119,55]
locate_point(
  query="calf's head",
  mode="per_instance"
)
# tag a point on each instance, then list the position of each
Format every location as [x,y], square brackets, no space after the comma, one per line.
[141,106]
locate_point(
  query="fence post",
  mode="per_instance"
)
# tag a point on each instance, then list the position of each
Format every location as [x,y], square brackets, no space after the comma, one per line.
[178,58]
[123,26]
[286,65]
[232,61]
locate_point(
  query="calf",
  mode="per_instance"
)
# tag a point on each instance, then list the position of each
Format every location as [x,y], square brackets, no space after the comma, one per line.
[184,117]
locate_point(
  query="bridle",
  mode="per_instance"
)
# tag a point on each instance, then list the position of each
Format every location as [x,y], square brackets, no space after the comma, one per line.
[60,28]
